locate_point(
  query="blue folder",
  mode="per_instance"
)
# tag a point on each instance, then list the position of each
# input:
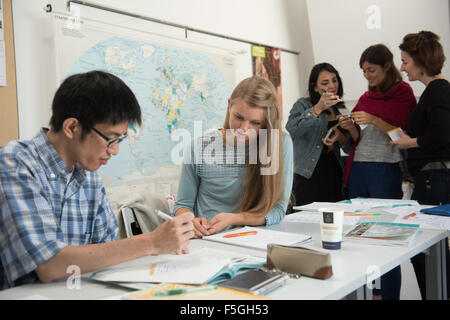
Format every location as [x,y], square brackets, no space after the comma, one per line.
[439,210]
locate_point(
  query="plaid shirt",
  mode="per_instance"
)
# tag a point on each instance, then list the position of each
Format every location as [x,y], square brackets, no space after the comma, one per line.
[41,212]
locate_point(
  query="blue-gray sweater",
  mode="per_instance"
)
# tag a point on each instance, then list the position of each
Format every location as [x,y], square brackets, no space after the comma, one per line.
[307,132]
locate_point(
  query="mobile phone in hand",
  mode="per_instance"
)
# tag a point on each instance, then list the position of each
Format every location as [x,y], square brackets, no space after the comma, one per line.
[330,134]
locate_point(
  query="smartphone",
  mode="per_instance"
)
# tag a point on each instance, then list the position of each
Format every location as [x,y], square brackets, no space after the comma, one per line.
[394,134]
[256,281]
[330,134]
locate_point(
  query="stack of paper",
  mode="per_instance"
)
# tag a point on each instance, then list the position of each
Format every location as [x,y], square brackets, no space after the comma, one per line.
[360,205]
[383,233]
[258,238]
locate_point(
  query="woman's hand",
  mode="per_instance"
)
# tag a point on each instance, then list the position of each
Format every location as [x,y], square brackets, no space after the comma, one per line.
[327,100]
[405,142]
[221,221]
[346,122]
[362,117]
[333,136]
[201,227]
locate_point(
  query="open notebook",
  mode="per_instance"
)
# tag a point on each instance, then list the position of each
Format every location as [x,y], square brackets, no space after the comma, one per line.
[258,238]
[201,265]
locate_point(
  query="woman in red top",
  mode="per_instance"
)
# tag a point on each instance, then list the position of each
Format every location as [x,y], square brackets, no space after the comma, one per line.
[373,169]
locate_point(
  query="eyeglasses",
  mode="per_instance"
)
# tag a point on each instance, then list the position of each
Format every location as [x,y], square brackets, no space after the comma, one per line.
[111,142]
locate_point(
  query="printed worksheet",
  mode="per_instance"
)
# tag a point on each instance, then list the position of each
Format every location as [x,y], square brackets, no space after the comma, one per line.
[314,217]
[258,238]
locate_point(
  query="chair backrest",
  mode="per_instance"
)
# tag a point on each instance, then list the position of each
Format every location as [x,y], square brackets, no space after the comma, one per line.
[130,223]
[136,212]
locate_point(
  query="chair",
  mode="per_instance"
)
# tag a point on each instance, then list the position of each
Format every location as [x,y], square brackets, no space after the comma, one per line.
[137,211]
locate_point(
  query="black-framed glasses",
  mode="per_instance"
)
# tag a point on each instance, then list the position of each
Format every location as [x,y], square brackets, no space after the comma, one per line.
[111,142]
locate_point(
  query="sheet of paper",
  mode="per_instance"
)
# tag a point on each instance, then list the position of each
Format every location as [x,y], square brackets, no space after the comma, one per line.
[374,202]
[261,239]
[314,217]
[348,207]
[359,205]
[426,221]
[2,64]
[196,267]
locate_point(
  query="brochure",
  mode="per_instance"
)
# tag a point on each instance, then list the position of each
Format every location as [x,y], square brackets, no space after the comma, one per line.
[383,233]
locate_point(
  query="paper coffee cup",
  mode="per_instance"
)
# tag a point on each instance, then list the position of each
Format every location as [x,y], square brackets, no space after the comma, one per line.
[331,223]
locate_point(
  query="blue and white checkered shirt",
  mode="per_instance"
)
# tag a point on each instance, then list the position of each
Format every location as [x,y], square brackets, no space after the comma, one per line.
[41,212]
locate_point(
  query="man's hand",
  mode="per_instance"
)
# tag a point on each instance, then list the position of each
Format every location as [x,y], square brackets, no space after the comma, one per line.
[173,235]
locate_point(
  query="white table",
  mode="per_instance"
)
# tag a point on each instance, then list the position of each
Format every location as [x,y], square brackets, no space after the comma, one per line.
[351,270]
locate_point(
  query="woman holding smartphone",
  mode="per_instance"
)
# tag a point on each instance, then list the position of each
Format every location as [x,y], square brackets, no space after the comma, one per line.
[317,154]
[373,169]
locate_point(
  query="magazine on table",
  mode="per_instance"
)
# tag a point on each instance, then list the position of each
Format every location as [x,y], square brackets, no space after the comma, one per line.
[383,233]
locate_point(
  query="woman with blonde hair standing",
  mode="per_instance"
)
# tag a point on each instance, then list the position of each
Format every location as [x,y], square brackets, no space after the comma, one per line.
[241,174]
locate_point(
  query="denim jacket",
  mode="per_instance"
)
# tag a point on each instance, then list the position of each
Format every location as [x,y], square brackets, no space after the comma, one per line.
[307,132]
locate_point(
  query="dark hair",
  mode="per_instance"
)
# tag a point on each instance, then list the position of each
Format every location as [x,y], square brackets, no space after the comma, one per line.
[426,51]
[94,97]
[314,75]
[380,55]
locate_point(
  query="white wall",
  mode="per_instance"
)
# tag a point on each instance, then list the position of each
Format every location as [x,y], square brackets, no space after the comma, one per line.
[267,22]
[340,33]
[322,30]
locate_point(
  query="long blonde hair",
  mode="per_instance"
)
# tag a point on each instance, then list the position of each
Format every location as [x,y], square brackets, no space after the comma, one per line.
[260,93]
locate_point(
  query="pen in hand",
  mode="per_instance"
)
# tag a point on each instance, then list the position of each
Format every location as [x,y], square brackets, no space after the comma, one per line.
[163,215]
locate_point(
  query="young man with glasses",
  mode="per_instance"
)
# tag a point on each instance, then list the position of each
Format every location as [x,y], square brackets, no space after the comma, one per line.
[53,208]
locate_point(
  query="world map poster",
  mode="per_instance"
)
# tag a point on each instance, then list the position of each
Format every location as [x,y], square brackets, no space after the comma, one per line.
[175,82]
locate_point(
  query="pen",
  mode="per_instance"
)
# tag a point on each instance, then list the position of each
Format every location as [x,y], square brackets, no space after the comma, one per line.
[185,290]
[232,235]
[362,214]
[163,215]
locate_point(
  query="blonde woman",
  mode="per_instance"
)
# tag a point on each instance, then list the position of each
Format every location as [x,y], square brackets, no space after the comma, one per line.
[241,174]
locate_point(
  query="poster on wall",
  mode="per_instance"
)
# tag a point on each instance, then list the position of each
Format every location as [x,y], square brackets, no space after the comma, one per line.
[267,63]
[180,86]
